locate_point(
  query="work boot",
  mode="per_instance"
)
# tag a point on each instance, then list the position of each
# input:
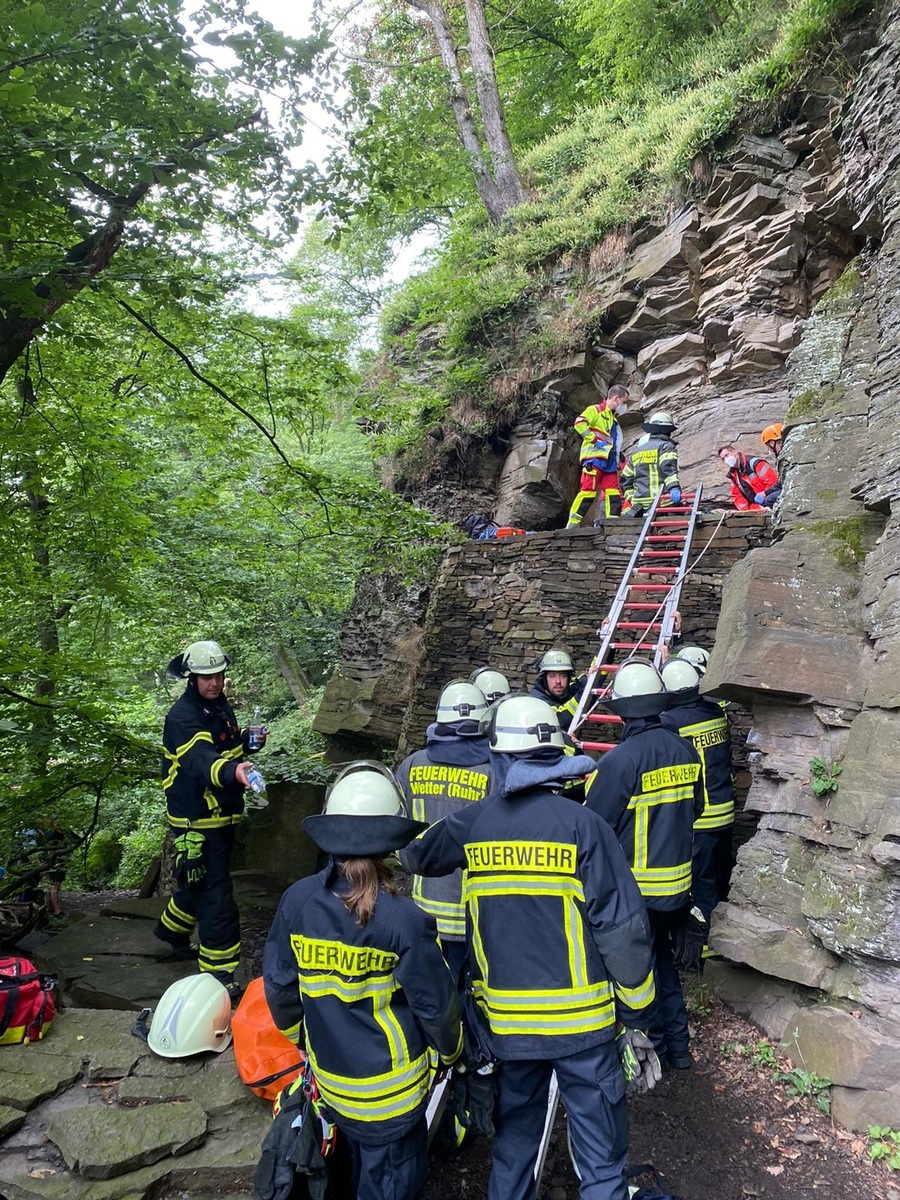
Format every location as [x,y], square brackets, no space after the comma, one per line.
[179,944]
[681,1060]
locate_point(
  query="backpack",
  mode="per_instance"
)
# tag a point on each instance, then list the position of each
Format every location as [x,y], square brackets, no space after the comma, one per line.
[267,1061]
[27,1001]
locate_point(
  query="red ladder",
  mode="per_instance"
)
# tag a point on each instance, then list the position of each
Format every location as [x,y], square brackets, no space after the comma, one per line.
[651,584]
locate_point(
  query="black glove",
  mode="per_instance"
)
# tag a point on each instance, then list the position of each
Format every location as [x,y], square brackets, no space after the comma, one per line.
[688,940]
[190,867]
[635,512]
[473,1094]
[639,1061]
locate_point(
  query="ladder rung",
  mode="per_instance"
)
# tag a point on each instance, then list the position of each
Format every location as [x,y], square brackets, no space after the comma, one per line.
[646,606]
[604,746]
[660,554]
[661,521]
[629,645]
[609,718]
[649,587]
[664,537]
[640,624]
[660,570]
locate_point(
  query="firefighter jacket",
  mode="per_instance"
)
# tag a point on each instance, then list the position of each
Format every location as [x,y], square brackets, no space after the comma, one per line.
[564,706]
[649,791]
[651,467]
[369,1001]
[559,935]
[451,772]
[202,746]
[704,724]
[749,477]
[601,437]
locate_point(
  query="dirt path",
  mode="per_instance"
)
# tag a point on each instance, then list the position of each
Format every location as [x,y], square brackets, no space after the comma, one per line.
[728,1129]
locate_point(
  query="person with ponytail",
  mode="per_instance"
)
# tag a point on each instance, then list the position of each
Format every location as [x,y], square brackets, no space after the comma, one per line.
[354,974]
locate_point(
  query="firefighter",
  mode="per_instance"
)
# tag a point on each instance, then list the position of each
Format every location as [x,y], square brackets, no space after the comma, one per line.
[652,467]
[754,483]
[601,450]
[204,776]
[452,772]
[353,972]
[704,724]
[649,791]
[555,685]
[772,438]
[561,952]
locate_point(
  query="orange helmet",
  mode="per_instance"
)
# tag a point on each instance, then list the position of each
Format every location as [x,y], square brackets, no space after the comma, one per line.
[771,433]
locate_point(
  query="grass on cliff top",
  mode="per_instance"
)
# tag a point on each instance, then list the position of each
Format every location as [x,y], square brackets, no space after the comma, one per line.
[612,165]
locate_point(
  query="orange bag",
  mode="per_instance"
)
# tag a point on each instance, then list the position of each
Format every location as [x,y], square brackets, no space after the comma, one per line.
[266,1060]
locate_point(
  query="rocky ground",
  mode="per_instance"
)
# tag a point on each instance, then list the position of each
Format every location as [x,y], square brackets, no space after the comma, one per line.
[89,1114]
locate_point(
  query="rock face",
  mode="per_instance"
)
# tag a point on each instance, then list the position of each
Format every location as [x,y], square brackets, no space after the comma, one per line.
[808,637]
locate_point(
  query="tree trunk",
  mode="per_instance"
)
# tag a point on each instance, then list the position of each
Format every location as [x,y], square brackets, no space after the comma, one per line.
[462,108]
[481,55]
[291,672]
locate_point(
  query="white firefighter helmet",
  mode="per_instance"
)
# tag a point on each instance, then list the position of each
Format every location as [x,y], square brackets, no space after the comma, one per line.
[680,674]
[193,1015]
[695,655]
[364,814]
[459,701]
[200,658]
[659,423]
[519,724]
[555,660]
[364,789]
[637,690]
[492,684]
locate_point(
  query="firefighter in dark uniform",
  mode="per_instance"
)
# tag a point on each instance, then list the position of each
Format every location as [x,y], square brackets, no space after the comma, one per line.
[557,686]
[561,951]
[652,467]
[354,972]
[704,724]
[452,772]
[649,791]
[204,776]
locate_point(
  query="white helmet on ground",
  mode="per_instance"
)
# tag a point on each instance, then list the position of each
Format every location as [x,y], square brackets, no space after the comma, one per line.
[637,690]
[459,701]
[695,655]
[193,1016]
[556,660]
[680,675]
[492,684]
[200,658]
[364,814]
[520,724]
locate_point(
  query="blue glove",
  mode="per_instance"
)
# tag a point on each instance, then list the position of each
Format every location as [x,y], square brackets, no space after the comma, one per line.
[675,495]
[759,498]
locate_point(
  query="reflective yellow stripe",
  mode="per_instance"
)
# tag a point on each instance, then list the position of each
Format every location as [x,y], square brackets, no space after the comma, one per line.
[205,822]
[175,759]
[350,990]
[663,881]
[292,1033]
[547,1013]
[227,756]
[230,952]
[716,816]
[378,1097]
[637,997]
[449,917]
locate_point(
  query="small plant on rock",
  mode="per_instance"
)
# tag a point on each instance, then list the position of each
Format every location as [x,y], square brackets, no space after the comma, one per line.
[884,1146]
[823,776]
[764,1054]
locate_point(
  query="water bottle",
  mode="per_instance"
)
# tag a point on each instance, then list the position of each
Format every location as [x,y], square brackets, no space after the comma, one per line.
[255,731]
[257,784]
[255,781]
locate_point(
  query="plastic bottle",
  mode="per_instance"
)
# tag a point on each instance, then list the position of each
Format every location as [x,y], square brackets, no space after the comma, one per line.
[257,784]
[255,731]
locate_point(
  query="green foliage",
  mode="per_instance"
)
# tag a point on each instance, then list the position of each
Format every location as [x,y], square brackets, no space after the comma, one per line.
[698,996]
[824,776]
[884,1146]
[764,1054]
[141,845]
[295,752]
[103,857]
[801,1082]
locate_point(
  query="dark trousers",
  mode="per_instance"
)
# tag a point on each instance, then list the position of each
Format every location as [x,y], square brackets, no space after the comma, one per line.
[670,1027]
[397,1170]
[711,867]
[592,1088]
[210,903]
